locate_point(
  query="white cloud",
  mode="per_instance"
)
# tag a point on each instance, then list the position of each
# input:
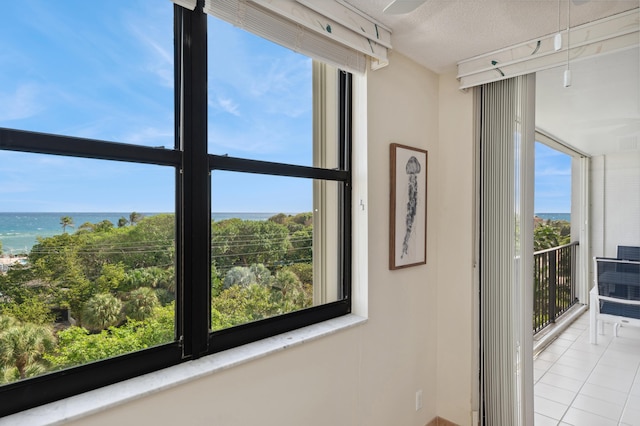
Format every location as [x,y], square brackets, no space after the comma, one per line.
[150,136]
[228,105]
[552,171]
[156,42]
[23,103]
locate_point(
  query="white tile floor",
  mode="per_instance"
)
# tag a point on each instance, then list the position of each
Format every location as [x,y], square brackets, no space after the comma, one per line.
[580,384]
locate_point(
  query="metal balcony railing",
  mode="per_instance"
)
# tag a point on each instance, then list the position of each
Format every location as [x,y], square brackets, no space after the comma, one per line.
[554,284]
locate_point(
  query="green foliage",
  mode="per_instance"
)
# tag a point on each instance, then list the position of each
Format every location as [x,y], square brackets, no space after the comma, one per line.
[261,273]
[294,223]
[236,242]
[216,282]
[241,304]
[141,303]
[101,311]
[551,234]
[103,226]
[10,373]
[77,346]
[13,285]
[239,275]
[155,277]
[22,345]
[301,246]
[304,272]
[101,272]
[292,294]
[66,221]
[134,218]
[31,309]
[111,278]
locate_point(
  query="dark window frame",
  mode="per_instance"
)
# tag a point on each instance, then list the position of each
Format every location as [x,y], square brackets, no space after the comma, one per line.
[192,164]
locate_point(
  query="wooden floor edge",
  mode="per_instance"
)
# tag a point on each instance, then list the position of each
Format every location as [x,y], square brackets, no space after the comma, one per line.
[439,421]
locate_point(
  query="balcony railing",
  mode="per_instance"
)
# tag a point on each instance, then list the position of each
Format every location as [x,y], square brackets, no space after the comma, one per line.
[554,284]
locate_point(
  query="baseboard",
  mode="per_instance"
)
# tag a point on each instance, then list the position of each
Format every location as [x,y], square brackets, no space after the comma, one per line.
[439,421]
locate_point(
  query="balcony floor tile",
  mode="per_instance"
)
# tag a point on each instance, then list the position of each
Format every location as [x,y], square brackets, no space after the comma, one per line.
[590,384]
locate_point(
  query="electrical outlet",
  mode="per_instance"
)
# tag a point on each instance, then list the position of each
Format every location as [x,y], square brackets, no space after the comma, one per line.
[419,399]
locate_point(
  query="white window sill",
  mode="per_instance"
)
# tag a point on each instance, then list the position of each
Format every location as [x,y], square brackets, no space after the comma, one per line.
[104,398]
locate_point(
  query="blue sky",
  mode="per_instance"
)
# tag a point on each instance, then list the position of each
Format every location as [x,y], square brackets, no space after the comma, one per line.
[104,70]
[552,181]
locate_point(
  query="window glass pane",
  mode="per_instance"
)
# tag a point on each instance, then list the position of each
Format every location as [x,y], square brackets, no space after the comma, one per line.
[99,70]
[87,264]
[260,98]
[274,247]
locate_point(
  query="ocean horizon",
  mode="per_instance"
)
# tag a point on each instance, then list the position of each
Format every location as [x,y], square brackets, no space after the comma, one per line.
[19,230]
[554,216]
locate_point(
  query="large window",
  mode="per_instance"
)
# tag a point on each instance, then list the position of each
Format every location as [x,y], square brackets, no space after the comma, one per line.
[165,197]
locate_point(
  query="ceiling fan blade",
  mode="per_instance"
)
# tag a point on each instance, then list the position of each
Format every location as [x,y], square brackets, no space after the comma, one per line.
[399,7]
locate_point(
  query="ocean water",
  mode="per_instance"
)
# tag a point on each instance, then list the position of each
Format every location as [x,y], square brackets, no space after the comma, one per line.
[555,216]
[19,231]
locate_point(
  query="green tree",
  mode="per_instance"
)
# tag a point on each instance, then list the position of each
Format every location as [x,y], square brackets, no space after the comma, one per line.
[57,265]
[151,243]
[86,227]
[304,272]
[77,346]
[152,276]
[23,344]
[66,221]
[239,275]
[291,294]
[239,305]
[122,222]
[103,226]
[301,246]
[134,218]
[550,235]
[31,310]
[102,311]
[111,278]
[141,303]
[261,273]
[236,242]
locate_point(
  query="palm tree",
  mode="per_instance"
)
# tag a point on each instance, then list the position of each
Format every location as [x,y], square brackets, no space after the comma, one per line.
[134,218]
[122,222]
[101,311]
[22,346]
[239,275]
[66,221]
[141,303]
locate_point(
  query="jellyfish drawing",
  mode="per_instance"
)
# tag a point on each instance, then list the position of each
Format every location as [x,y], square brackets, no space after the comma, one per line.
[413,168]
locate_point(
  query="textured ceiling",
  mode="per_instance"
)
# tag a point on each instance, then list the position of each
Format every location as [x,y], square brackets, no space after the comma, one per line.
[440,33]
[599,113]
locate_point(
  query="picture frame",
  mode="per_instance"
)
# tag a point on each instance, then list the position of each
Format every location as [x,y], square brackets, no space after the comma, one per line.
[408,207]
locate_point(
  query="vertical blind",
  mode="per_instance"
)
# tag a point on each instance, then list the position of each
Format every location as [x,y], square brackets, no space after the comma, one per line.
[507,136]
[326,30]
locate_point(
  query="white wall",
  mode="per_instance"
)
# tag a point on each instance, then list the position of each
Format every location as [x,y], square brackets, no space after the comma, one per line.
[420,329]
[615,202]
[457,305]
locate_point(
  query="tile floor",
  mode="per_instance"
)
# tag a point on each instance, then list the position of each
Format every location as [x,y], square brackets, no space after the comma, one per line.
[580,384]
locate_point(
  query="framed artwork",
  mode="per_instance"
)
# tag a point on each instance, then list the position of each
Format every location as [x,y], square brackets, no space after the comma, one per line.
[408,207]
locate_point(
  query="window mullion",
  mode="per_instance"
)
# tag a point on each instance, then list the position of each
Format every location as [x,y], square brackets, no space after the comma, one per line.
[195,219]
[345,143]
